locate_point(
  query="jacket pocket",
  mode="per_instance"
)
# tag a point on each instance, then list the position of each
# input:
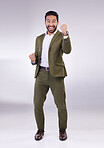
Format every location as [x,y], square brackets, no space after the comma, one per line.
[60,64]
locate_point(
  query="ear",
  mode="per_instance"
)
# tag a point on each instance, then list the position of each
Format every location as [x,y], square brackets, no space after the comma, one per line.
[57,22]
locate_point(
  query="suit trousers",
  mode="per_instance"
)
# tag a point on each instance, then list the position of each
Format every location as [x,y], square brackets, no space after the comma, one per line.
[43,82]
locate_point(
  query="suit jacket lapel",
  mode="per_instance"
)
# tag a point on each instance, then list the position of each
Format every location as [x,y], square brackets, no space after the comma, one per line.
[54,38]
[41,42]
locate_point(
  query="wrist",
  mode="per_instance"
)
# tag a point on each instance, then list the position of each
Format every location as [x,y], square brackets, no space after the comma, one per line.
[33,60]
[66,33]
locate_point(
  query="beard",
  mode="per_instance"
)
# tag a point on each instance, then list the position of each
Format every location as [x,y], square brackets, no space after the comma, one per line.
[51,29]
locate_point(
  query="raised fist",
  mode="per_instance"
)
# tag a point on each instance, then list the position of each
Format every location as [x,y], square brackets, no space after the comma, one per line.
[64,29]
[32,57]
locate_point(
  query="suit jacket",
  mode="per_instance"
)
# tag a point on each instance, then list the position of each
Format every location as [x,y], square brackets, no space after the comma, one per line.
[57,47]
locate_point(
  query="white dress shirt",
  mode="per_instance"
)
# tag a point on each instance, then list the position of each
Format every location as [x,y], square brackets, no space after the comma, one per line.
[45,47]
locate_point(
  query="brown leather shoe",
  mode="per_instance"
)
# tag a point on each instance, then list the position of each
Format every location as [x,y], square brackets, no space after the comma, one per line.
[62,134]
[39,135]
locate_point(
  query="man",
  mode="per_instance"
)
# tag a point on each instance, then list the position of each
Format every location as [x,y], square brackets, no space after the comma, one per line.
[50,72]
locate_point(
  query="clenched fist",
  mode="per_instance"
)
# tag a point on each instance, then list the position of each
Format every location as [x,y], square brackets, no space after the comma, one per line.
[64,29]
[32,57]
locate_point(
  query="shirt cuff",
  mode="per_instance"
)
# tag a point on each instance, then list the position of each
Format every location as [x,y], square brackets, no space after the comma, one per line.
[65,37]
[33,62]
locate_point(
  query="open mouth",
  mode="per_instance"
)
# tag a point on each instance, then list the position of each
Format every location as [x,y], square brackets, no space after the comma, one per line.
[51,27]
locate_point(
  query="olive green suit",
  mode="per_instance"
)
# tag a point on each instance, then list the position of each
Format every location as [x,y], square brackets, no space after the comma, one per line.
[53,79]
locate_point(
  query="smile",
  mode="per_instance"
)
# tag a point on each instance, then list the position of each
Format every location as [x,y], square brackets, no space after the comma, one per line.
[50,27]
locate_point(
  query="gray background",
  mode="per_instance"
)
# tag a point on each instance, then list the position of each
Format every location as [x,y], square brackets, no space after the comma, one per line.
[20,22]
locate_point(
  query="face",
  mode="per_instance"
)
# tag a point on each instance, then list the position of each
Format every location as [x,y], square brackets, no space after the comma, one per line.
[51,24]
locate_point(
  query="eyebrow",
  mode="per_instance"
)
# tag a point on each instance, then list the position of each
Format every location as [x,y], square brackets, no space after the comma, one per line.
[52,20]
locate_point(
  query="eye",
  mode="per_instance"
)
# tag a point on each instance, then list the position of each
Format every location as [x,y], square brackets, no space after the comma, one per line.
[48,21]
[53,21]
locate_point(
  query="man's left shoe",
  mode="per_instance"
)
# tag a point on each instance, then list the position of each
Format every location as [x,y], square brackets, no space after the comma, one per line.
[62,134]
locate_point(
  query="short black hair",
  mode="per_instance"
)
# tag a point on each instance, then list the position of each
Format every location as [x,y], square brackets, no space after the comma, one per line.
[52,13]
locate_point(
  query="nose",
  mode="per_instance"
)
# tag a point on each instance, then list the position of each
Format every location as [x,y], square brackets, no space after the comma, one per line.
[51,24]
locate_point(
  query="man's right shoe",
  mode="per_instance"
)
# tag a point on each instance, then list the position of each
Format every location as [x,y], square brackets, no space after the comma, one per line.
[39,135]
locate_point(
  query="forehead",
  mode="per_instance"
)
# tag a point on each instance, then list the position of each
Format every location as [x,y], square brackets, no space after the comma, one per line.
[51,17]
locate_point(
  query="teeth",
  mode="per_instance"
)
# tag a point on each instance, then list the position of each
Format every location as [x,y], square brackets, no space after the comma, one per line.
[50,27]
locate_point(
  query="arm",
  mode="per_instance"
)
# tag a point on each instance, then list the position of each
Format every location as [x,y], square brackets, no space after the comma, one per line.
[32,58]
[66,44]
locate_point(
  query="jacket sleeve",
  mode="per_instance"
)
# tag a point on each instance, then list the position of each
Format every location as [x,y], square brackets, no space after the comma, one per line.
[66,45]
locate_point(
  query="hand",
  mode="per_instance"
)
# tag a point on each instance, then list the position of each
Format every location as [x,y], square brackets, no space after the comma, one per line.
[32,57]
[64,29]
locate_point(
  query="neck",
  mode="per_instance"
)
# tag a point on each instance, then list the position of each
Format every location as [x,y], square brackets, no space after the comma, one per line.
[50,33]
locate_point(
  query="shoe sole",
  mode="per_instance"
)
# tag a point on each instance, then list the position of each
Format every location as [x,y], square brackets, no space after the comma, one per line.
[38,139]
